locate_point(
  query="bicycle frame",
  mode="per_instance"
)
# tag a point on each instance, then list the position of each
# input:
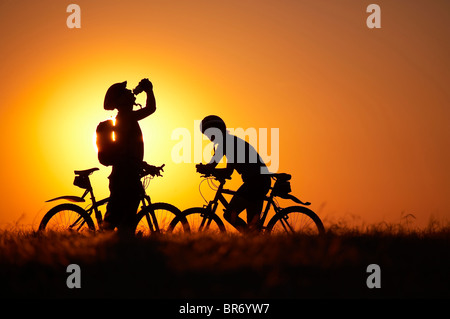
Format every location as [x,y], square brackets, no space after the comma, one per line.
[93,208]
[82,180]
[212,205]
[95,205]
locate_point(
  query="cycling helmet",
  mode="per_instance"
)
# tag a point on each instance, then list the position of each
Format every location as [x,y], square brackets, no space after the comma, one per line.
[112,95]
[212,121]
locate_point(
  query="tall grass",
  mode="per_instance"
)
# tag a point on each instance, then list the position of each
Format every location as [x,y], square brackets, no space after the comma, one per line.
[414,263]
[405,227]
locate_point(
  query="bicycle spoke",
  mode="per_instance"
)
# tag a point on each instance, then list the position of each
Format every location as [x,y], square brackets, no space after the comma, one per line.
[285,223]
[81,226]
[297,221]
[201,222]
[66,217]
[157,219]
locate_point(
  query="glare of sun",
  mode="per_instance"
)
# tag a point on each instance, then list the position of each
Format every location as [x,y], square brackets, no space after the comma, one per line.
[94,136]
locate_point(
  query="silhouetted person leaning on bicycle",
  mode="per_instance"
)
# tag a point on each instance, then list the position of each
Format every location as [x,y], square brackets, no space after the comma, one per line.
[243,158]
[125,152]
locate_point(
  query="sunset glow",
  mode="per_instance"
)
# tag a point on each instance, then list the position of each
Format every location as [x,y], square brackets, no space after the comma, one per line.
[363,114]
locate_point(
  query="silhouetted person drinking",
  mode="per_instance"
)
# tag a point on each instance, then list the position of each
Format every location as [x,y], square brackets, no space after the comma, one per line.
[243,158]
[124,182]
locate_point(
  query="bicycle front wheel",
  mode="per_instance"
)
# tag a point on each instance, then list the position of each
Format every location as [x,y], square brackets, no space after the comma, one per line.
[157,217]
[66,217]
[200,220]
[295,220]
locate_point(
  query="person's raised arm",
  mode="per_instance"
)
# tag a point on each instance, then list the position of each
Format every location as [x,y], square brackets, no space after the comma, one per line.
[150,106]
[217,157]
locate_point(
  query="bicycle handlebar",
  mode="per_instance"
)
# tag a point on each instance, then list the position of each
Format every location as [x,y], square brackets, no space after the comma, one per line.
[148,169]
[207,171]
[221,176]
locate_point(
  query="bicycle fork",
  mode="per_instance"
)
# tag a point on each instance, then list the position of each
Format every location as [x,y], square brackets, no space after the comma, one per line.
[154,227]
[150,215]
[284,222]
[205,220]
[206,215]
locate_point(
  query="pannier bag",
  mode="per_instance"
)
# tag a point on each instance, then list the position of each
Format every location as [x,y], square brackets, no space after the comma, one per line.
[282,186]
[81,181]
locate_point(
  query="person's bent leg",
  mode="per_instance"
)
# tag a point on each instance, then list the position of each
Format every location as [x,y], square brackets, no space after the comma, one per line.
[255,194]
[231,214]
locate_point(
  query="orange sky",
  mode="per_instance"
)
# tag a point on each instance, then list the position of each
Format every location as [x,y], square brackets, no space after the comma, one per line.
[363,115]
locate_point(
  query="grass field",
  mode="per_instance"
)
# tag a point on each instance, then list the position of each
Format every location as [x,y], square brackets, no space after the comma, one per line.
[414,264]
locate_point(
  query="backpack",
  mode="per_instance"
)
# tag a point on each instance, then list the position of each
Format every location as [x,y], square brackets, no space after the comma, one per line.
[106,146]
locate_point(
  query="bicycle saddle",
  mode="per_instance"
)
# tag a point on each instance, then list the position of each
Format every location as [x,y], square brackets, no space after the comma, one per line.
[86,172]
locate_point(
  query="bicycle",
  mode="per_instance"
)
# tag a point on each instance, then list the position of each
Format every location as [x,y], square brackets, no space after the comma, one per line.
[152,218]
[291,219]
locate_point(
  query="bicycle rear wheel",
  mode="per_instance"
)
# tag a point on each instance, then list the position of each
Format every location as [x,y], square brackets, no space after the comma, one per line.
[66,217]
[200,221]
[295,220]
[157,217]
